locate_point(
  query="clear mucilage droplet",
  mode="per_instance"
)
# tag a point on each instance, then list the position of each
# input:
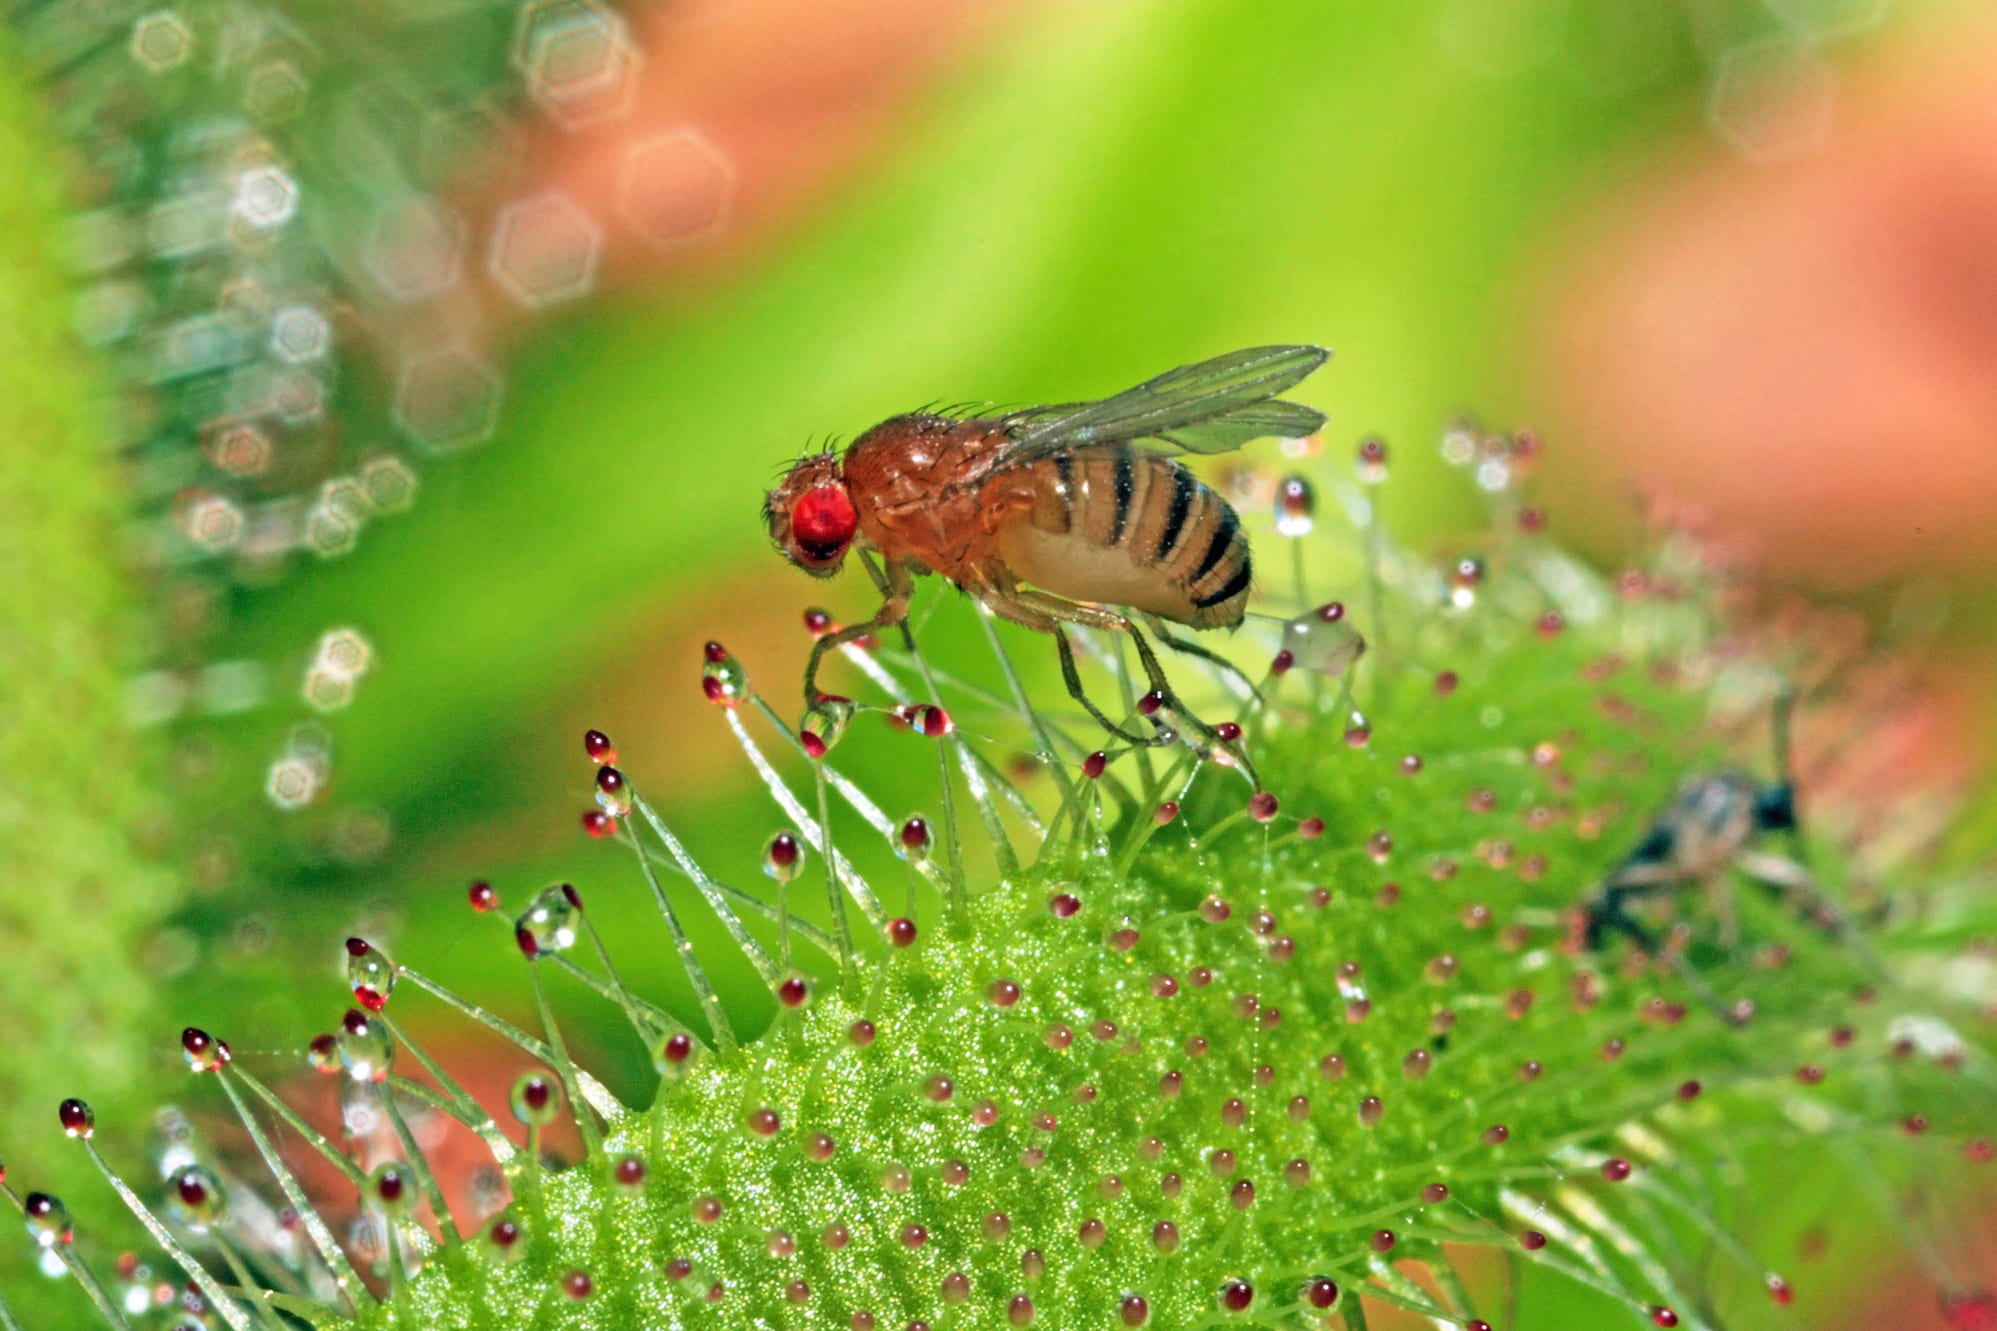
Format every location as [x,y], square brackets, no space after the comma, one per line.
[1296,507]
[196,1197]
[48,1220]
[365,1050]
[722,677]
[1323,642]
[549,922]
[783,857]
[823,723]
[370,973]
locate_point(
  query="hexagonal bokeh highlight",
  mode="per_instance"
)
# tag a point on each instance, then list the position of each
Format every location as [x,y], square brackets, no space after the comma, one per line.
[161,41]
[677,189]
[415,249]
[578,60]
[266,197]
[325,691]
[344,652]
[240,449]
[328,532]
[274,92]
[300,333]
[448,400]
[389,482]
[545,250]
[212,521]
[1773,101]
[292,782]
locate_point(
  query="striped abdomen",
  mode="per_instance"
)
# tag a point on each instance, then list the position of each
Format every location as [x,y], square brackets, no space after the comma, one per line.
[1121,525]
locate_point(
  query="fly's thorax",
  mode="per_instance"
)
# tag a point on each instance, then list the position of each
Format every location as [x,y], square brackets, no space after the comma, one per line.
[911,478]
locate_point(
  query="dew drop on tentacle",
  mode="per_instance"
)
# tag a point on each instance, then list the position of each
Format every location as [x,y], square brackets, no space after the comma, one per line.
[203,1052]
[823,724]
[364,1047]
[323,1054]
[196,1198]
[1372,459]
[391,1188]
[599,748]
[536,1098]
[674,1052]
[549,922]
[48,1220]
[481,896]
[1323,641]
[783,857]
[370,974]
[722,677]
[1466,575]
[1296,506]
[912,841]
[613,792]
[77,1118]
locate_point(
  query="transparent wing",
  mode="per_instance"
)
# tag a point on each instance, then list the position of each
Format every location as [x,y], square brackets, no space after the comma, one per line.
[1212,407]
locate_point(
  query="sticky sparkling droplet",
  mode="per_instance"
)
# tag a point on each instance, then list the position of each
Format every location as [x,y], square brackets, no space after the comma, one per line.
[203,1052]
[549,922]
[1322,642]
[78,1119]
[823,724]
[370,974]
[722,677]
[536,1099]
[598,746]
[48,1220]
[195,1197]
[364,1047]
[1296,506]
[783,857]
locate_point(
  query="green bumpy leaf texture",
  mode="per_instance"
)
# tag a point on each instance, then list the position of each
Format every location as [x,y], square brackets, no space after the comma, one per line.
[1173,1099]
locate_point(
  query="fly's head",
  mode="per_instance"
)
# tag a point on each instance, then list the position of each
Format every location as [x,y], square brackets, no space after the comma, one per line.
[811,515]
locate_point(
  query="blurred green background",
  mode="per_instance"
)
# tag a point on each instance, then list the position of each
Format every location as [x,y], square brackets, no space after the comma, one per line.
[1057,201]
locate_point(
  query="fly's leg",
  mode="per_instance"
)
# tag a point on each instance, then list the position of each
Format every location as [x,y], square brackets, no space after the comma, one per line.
[897,588]
[1209,737]
[1073,679]
[1014,607]
[1055,609]
[1791,884]
[1191,648]
[1605,912]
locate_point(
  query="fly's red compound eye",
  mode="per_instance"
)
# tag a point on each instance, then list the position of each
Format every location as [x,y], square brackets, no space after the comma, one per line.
[823,521]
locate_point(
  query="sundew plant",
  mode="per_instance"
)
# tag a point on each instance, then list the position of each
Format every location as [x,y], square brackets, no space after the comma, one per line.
[1129,1041]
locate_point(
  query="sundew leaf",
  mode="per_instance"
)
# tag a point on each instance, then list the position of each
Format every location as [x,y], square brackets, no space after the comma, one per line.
[1261,1058]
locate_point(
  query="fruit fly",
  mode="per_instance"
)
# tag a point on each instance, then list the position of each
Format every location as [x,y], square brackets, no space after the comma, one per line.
[1075,514]
[1708,833]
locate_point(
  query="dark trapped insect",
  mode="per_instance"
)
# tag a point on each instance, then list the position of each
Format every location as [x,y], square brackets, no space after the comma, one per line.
[1705,837]
[1057,515]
